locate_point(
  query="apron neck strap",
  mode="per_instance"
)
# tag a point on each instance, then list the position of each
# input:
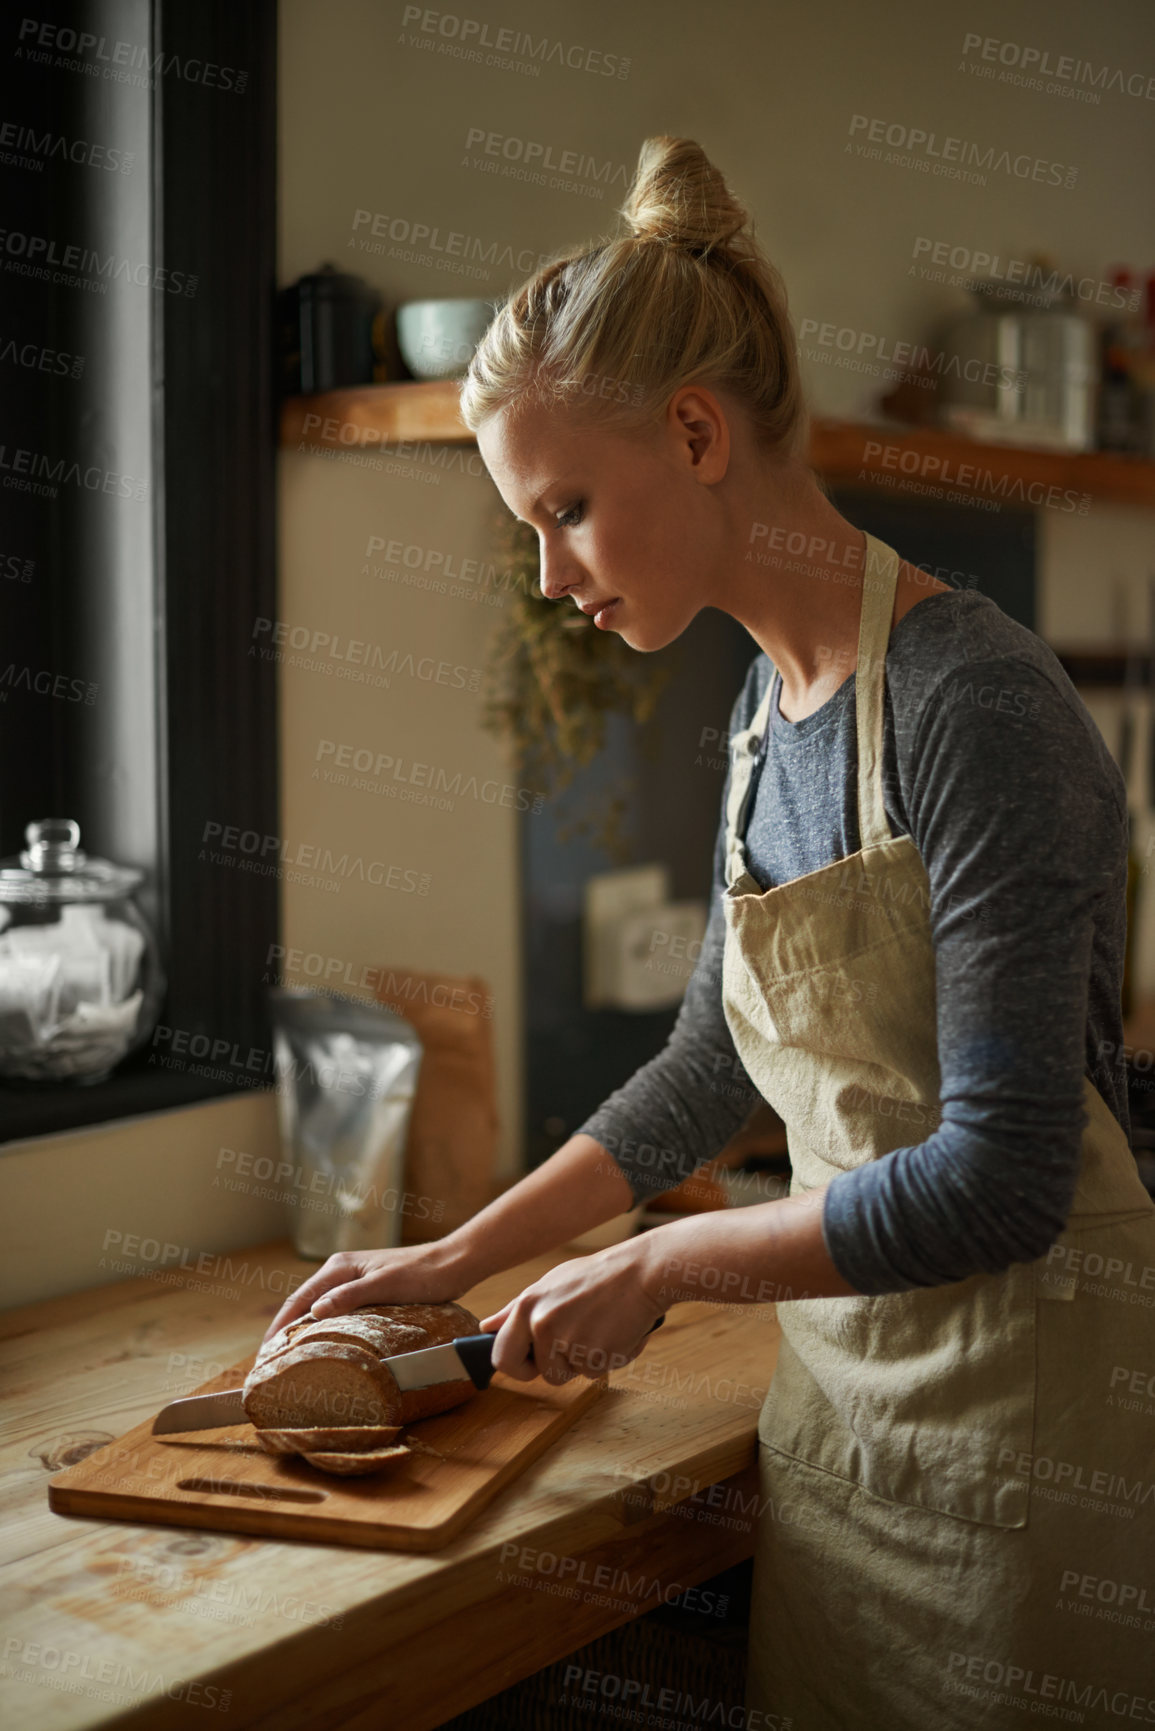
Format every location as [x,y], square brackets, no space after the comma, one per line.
[879,582]
[743,750]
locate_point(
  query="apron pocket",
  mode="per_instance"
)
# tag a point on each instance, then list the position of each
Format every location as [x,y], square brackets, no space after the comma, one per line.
[923,1398]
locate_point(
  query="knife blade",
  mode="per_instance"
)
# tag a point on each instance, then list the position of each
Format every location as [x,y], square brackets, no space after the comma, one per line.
[469,1359]
[200,1412]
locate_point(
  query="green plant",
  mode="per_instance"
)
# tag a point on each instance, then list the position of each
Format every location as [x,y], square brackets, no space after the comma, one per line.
[553,679]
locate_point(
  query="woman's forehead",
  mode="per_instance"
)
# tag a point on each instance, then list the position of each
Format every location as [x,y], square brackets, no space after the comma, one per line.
[531,447]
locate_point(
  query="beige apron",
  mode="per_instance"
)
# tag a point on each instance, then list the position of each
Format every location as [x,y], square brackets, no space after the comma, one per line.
[958,1483]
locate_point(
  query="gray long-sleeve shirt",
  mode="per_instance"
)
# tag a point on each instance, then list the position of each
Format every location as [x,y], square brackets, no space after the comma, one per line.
[994,767]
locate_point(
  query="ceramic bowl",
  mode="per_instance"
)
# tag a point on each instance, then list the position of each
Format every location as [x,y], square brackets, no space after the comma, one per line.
[437,338]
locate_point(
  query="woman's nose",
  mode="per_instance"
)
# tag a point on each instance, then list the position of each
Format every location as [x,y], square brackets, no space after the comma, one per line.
[556,575]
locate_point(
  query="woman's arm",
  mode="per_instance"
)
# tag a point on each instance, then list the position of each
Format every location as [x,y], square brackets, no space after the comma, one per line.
[673,1114]
[592,1311]
[577,1187]
[677,1111]
[593,1314]
[1017,812]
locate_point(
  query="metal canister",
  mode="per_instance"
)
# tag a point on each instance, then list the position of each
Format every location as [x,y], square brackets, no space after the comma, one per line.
[327,326]
[1022,368]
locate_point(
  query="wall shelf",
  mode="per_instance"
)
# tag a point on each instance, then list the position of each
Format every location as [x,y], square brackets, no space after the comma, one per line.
[908,462]
[366,417]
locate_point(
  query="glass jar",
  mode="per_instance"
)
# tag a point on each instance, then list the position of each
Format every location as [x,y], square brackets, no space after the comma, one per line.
[80,976]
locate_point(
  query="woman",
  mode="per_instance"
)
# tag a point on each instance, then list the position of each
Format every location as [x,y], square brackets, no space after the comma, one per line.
[914,953]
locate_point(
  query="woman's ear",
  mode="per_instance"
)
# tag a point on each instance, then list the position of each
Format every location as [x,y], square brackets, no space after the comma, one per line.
[701,432]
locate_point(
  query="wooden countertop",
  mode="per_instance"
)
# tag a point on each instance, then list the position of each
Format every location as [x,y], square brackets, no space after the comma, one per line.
[110,1623]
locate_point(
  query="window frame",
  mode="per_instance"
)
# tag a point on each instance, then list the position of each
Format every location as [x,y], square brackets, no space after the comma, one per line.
[214,416]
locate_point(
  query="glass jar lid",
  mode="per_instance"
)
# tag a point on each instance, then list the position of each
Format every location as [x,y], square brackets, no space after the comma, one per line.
[54,867]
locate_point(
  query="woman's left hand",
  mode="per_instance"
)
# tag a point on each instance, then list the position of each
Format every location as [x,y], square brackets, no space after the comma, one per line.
[583,1318]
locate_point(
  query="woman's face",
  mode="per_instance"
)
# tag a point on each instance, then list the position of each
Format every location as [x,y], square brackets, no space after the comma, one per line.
[629,523]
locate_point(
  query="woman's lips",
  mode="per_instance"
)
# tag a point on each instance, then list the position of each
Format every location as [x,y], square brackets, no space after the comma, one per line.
[604,615]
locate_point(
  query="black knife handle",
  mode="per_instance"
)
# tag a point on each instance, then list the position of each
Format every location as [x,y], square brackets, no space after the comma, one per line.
[476,1353]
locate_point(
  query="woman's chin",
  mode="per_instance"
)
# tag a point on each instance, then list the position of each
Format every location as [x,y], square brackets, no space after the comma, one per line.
[646,636]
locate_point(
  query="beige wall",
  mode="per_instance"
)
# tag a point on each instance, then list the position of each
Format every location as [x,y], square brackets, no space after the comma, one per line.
[371,122]
[453,904]
[142,1197]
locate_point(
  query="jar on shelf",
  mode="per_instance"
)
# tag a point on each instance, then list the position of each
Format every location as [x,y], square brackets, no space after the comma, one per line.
[1021,368]
[80,975]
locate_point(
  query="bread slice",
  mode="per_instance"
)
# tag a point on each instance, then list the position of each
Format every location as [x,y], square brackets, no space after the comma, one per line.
[348,1439]
[321,1374]
[349,1465]
[347,1450]
[320,1384]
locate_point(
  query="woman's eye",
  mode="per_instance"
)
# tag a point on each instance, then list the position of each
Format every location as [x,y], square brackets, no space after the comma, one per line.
[571,518]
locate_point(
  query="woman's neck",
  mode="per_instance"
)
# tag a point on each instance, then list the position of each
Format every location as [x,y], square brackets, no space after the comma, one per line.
[796,585]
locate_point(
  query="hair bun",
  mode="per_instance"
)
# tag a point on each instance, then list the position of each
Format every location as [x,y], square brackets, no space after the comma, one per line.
[607,333]
[679,197]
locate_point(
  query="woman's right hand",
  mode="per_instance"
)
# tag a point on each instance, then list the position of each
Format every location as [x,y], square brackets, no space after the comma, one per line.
[416,1274]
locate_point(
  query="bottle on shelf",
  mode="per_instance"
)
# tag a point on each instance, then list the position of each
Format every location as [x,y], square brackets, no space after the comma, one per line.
[1121,341]
[1143,373]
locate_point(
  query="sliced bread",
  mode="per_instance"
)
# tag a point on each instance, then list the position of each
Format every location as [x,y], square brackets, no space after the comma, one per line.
[349,1439]
[320,1374]
[319,1384]
[350,1465]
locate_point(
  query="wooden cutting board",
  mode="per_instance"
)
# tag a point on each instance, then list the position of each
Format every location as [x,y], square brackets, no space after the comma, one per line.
[223,1480]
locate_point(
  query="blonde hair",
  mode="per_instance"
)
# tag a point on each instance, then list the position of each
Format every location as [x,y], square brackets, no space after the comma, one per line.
[615,328]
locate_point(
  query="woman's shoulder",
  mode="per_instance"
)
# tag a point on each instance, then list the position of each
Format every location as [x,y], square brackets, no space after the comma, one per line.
[982,685]
[948,640]
[949,630]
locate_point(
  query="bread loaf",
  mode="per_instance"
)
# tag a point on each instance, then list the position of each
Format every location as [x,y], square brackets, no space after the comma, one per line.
[321,1375]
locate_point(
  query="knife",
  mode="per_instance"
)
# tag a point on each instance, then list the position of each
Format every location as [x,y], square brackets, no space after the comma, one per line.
[467,1359]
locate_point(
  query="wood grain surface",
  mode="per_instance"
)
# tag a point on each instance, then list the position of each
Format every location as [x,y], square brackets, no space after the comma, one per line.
[119,1624]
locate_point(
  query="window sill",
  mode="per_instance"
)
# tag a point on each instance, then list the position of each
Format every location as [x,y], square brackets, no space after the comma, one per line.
[137,1090]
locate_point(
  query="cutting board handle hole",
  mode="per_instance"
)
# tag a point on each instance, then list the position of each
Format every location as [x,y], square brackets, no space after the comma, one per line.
[238,1488]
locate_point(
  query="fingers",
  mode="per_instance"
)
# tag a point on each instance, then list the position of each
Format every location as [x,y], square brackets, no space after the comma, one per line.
[341,1299]
[514,1339]
[336,1272]
[569,1330]
[526,1328]
[527,1346]
[557,1370]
